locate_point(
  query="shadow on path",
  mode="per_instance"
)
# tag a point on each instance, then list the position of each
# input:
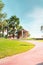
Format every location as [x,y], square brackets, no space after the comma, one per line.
[40,63]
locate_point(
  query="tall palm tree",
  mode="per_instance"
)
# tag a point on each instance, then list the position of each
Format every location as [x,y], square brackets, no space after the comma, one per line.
[2,15]
[13,23]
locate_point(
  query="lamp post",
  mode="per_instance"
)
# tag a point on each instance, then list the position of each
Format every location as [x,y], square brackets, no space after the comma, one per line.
[42,30]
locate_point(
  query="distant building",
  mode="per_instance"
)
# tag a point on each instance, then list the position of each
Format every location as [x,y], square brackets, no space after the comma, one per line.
[23,34]
[19,35]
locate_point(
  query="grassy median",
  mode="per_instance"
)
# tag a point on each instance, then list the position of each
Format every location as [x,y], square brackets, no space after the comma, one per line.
[11,47]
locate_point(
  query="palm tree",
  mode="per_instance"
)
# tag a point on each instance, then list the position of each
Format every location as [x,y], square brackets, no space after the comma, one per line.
[13,23]
[2,15]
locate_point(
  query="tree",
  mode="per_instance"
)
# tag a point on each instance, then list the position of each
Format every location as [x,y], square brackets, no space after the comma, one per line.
[2,15]
[13,24]
[1,5]
[19,28]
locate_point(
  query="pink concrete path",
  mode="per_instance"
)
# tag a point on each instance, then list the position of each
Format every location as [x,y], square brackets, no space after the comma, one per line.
[32,57]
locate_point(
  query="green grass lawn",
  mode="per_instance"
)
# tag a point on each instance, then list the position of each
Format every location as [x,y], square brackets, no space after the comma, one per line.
[40,40]
[11,47]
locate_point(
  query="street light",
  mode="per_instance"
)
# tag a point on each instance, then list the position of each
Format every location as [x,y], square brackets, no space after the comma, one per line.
[42,30]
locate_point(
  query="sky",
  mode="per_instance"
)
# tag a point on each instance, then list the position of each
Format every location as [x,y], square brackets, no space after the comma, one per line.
[30,13]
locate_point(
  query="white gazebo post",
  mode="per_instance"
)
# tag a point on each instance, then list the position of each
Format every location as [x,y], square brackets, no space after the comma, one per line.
[5,33]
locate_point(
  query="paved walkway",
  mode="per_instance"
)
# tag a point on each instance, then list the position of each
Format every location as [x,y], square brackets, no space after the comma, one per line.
[32,57]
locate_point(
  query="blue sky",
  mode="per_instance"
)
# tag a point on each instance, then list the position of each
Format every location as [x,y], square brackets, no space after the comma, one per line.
[30,13]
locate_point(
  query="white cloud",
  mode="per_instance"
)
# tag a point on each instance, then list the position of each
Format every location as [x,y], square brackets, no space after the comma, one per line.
[37,15]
